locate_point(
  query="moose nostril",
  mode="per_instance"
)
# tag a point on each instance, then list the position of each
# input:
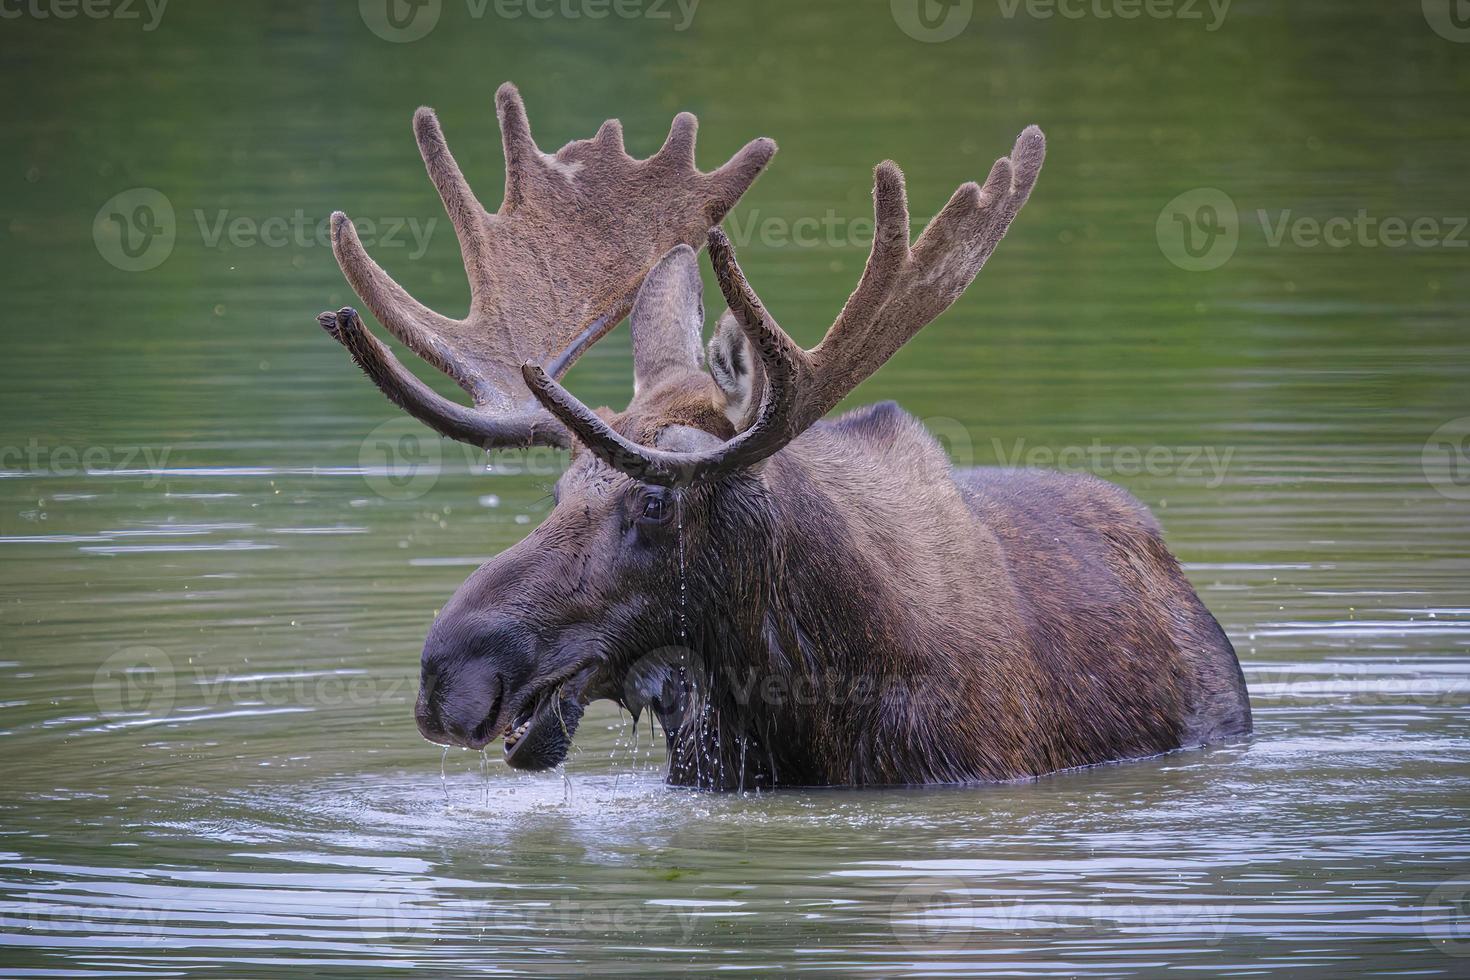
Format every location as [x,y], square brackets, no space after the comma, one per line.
[485,730]
[465,717]
[426,716]
[469,669]
[434,722]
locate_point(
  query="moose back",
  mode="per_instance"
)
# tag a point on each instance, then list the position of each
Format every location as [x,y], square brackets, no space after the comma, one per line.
[799,600]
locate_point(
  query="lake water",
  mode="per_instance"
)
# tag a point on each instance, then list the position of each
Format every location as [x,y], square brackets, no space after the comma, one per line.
[220,549]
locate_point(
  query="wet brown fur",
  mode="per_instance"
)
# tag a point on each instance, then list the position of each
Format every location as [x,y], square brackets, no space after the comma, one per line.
[842,607]
[860,613]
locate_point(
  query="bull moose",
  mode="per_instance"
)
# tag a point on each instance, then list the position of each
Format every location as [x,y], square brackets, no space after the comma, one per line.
[843,607]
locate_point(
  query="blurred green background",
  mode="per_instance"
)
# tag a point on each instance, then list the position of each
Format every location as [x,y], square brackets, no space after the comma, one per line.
[220,548]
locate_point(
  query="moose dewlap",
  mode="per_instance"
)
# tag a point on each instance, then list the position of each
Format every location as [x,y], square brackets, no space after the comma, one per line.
[800,601]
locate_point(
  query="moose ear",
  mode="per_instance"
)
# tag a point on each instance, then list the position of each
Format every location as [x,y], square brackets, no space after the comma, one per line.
[667,321]
[735,370]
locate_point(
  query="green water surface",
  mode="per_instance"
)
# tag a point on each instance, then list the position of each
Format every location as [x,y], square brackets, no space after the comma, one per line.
[220,548]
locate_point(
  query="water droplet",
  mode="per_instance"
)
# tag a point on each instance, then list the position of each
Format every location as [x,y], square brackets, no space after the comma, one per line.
[683,581]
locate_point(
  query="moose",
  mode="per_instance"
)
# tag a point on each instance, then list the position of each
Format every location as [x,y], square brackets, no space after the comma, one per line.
[800,601]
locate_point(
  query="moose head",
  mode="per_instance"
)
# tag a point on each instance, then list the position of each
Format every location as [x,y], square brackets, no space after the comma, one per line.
[716,513]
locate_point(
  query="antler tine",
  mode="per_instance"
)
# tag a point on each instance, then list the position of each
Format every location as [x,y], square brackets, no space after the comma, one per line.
[1027,156]
[777,422]
[731,180]
[678,148]
[902,290]
[451,419]
[405,317]
[466,213]
[936,270]
[886,261]
[610,134]
[550,273]
[771,431]
[520,147]
[605,442]
[787,369]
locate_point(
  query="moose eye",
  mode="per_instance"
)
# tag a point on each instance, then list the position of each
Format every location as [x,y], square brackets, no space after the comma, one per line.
[657,507]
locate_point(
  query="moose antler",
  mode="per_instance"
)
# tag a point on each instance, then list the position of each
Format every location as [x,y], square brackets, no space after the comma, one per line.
[902,290]
[550,273]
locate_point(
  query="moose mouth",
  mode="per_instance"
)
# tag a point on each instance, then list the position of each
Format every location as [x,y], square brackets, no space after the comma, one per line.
[540,735]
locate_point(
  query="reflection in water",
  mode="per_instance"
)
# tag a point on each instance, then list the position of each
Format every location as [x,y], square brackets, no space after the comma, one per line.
[211,622]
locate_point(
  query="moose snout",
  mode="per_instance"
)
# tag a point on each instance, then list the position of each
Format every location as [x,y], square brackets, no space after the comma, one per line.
[454,715]
[465,682]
